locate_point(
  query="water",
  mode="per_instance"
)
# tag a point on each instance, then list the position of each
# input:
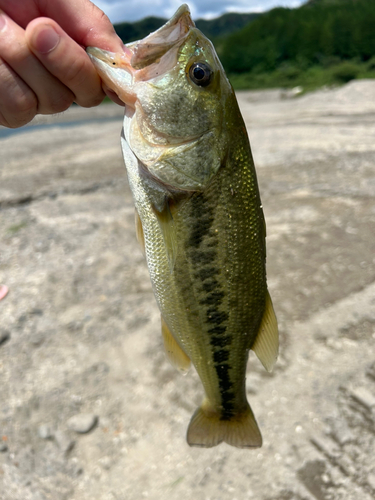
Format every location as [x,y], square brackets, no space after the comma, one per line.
[8,132]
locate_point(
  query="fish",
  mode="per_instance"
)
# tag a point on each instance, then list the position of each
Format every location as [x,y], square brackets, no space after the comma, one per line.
[199,218]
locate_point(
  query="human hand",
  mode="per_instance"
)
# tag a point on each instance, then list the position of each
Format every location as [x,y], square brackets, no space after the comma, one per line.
[43,64]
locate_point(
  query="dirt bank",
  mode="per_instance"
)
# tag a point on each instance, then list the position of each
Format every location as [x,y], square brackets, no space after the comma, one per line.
[79,330]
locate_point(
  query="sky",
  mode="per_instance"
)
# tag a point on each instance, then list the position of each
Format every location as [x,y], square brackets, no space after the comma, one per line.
[133,10]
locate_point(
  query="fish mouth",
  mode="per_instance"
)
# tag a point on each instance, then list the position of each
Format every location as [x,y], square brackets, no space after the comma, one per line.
[144,59]
[154,46]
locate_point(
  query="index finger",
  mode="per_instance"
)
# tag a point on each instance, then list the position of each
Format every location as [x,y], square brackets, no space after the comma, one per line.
[65,60]
[80,19]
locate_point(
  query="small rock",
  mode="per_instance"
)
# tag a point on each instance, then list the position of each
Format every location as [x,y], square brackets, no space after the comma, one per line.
[74,467]
[105,462]
[74,326]
[37,339]
[45,432]
[371,371]
[64,442]
[3,447]
[36,311]
[4,336]
[311,476]
[82,423]
[327,446]
[340,431]
[364,397]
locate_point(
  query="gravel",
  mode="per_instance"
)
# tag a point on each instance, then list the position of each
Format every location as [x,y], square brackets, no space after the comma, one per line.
[82,348]
[82,423]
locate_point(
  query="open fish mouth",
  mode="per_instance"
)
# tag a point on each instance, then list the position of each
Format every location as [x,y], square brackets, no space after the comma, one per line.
[145,59]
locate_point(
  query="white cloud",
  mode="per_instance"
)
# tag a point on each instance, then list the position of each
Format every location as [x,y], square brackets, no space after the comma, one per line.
[132,10]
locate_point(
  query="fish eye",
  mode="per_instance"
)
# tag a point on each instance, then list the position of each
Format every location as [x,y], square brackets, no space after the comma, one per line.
[201,74]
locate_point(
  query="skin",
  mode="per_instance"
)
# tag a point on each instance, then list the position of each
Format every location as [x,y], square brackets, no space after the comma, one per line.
[43,64]
[3,291]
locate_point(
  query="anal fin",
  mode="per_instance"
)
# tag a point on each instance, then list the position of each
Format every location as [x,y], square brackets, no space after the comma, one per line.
[177,357]
[168,230]
[206,429]
[139,232]
[266,345]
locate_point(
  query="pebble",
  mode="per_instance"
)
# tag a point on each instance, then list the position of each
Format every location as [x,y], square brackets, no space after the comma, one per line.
[371,371]
[3,447]
[82,423]
[105,462]
[74,467]
[4,336]
[63,441]
[37,339]
[45,431]
[340,431]
[364,397]
[327,446]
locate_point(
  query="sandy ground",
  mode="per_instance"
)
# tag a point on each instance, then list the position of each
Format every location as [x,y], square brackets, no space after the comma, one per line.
[80,346]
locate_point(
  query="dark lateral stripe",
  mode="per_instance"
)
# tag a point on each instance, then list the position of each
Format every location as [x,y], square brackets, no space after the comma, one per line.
[223,341]
[203,258]
[217,330]
[200,230]
[214,298]
[222,371]
[221,356]
[227,413]
[212,243]
[226,391]
[210,286]
[227,399]
[216,317]
[202,214]
[207,273]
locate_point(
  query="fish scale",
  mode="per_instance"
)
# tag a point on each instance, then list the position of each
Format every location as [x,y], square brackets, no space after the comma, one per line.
[199,217]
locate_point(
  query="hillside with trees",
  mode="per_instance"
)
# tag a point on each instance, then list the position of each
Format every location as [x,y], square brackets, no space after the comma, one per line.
[314,34]
[212,28]
[326,39]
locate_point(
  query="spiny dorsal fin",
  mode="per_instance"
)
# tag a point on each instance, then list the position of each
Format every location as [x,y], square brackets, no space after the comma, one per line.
[206,429]
[177,357]
[139,232]
[266,345]
[168,230]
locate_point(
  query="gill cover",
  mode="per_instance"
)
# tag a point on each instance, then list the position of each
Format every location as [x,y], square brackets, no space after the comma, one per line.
[173,81]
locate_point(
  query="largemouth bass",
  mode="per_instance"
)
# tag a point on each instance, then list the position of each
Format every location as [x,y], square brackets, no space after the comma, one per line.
[199,218]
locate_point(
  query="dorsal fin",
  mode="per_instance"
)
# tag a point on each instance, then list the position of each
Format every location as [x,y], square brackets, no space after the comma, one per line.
[266,345]
[176,355]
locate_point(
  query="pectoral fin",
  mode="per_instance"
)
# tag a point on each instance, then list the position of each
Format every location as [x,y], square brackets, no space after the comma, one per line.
[175,354]
[168,230]
[266,345]
[139,232]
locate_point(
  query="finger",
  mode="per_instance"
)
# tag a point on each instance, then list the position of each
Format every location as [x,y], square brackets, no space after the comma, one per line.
[18,103]
[52,96]
[112,95]
[20,11]
[81,20]
[66,60]
[3,291]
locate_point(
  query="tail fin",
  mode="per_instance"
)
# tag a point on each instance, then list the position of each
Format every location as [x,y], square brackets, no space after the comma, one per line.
[206,429]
